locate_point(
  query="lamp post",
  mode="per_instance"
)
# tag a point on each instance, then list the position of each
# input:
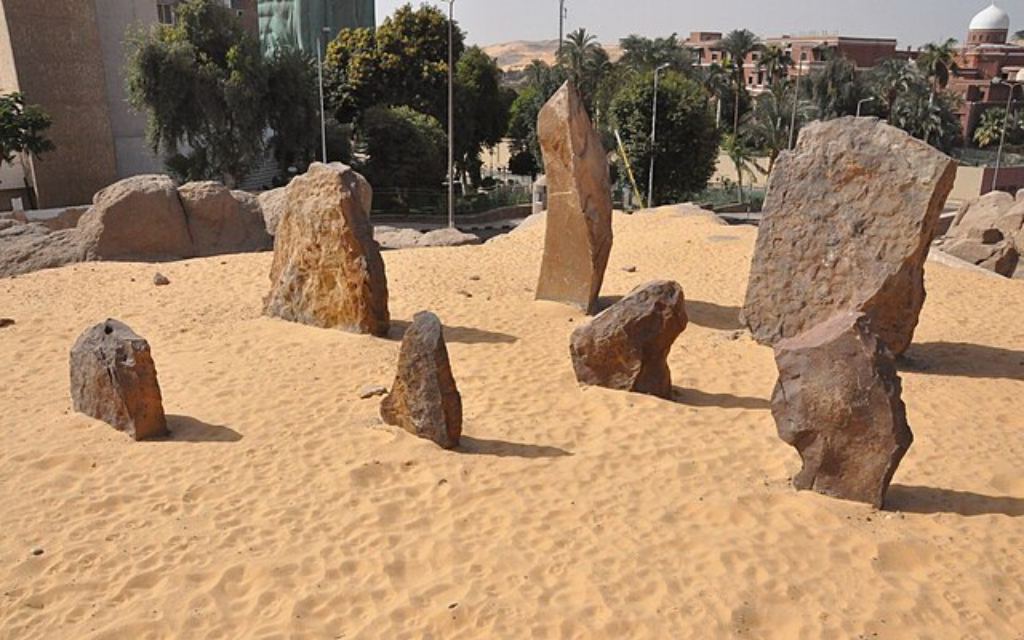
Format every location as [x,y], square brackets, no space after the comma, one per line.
[561,26]
[796,103]
[1018,79]
[862,101]
[654,126]
[451,115]
[320,79]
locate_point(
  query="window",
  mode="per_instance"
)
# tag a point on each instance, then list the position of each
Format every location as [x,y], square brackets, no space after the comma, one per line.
[165,13]
[714,56]
[803,56]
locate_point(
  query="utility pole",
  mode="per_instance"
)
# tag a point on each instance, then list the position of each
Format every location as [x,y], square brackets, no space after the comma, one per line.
[654,127]
[796,104]
[451,116]
[1019,79]
[323,119]
[561,25]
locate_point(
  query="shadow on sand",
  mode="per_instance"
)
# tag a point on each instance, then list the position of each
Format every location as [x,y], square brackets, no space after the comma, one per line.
[697,398]
[453,333]
[502,449]
[963,359]
[713,316]
[915,499]
[186,429]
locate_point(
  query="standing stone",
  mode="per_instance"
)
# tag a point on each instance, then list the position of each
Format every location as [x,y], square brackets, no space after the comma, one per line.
[626,345]
[578,238]
[327,269]
[223,221]
[848,220]
[838,403]
[113,379]
[424,399]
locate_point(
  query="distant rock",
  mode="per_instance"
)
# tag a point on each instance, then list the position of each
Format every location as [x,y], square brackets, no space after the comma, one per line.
[837,401]
[160,280]
[30,247]
[223,221]
[404,238]
[446,237]
[424,398]
[626,345]
[988,232]
[578,238]
[999,257]
[113,379]
[371,390]
[396,238]
[272,204]
[327,270]
[848,221]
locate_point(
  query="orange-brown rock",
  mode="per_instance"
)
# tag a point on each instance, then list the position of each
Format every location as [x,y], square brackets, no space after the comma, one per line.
[626,345]
[113,379]
[327,270]
[424,399]
[848,220]
[838,403]
[578,237]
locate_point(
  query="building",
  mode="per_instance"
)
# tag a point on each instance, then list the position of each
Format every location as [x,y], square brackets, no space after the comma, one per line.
[304,23]
[68,57]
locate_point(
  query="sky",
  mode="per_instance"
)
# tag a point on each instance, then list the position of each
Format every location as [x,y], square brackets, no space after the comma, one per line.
[912,22]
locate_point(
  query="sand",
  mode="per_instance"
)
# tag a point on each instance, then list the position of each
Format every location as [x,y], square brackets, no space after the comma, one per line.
[283,508]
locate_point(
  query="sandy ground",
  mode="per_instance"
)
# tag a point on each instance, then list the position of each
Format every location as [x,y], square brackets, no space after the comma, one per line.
[283,508]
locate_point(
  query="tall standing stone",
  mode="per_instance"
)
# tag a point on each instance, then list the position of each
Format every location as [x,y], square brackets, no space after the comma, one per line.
[113,379]
[838,403]
[578,237]
[424,399]
[327,269]
[848,220]
[626,346]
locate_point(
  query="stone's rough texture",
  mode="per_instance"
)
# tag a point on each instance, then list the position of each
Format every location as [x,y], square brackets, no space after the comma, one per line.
[223,221]
[25,248]
[838,403]
[403,238]
[447,238]
[272,204]
[138,217]
[113,379]
[626,345]
[1001,257]
[848,220]
[327,269]
[980,214]
[578,238]
[424,399]
[370,390]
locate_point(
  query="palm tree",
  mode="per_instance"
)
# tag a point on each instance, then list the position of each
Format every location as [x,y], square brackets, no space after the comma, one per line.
[768,126]
[643,55]
[937,62]
[837,88]
[742,157]
[585,60]
[775,62]
[892,78]
[738,44]
[990,128]
[715,80]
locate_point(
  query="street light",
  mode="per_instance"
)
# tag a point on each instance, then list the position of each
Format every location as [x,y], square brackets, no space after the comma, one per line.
[451,116]
[1018,80]
[796,101]
[320,78]
[862,101]
[561,25]
[654,125]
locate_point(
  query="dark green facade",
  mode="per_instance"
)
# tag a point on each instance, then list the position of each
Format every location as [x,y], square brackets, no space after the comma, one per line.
[299,23]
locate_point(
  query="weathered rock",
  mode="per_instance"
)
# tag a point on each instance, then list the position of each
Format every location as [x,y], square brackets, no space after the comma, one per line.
[272,204]
[578,237]
[424,399]
[837,401]
[327,269]
[396,238]
[980,214]
[223,221]
[1000,257]
[6,322]
[29,247]
[137,218]
[985,236]
[160,280]
[447,238]
[370,390]
[113,379]
[626,345]
[848,221]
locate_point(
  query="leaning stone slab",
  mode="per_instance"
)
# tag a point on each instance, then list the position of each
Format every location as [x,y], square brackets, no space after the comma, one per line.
[424,399]
[626,346]
[578,238]
[113,379]
[837,401]
[327,270]
[848,220]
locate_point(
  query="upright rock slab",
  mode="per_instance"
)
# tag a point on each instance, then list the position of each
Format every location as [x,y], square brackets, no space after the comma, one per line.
[626,345]
[578,238]
[847,224]
[424,399]
[223,221]
[838,403]
[113,379]
[327,270]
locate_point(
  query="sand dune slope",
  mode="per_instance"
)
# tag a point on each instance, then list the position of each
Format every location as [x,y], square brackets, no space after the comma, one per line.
[283,508]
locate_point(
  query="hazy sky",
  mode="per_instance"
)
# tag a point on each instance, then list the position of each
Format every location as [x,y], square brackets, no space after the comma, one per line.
[912,22]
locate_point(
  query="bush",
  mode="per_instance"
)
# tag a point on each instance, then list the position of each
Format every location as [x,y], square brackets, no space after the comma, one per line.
[405,148]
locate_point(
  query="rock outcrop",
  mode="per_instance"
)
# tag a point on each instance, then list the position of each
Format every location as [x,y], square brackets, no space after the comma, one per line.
[424,399]
[327,269]
[113,379]
[838,403]
[626,345]
[25,248]
[223,221]
[848,220]
[988,232]
[991,252]
[404,238]
[578,238]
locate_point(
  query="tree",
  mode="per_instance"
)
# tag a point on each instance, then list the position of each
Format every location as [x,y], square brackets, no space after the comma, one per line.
[717,83]
[352,76]
[644,55]
[775,62]
[892,78]
[929,116]
[293,109]
[989,130]
[585,61]
[542,82]
[937,62]
[404,148]
[522,163]
[837,88]
[687,142]
[22,127]
[203,85]
[738,44]
[482,109]
[767,128]
[735,146]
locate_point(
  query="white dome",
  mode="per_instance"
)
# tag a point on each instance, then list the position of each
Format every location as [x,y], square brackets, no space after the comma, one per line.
[991,19]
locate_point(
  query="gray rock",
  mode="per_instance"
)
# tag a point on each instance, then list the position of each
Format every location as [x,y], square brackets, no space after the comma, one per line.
[160,279]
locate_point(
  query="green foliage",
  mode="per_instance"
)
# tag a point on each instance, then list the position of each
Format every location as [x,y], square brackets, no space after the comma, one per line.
[481,109]
[585,62]
[775,63]
[892,78]
[768,126]
[938,61]
[352,75]
[22,127]
[929,116]
[542,83]
[738,44]
[687,142]
[404,148]
[522,163]
[837,88]
[739,151]
[293,109]
[644,55]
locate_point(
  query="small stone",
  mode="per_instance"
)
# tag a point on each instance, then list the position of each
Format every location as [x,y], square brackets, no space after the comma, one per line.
[463,292]
[629,269]
[474,277]
[37,551]
[160,280]
[6,322]
[371,390]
